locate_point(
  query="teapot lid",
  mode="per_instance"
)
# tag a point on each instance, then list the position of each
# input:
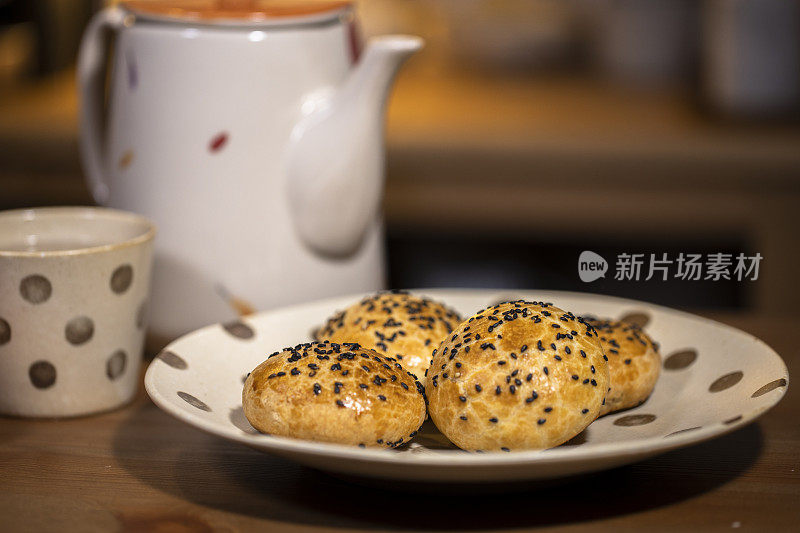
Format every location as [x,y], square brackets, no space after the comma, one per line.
[238,12]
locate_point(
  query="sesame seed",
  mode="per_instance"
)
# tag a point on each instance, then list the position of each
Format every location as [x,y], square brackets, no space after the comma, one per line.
[462,398]
[317,388]
[493,420]
[541,421]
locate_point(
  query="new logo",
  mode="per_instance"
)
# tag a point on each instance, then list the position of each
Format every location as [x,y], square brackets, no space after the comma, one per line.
[591,266]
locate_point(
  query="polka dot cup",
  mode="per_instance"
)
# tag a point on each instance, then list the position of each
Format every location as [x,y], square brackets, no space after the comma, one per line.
[74,287]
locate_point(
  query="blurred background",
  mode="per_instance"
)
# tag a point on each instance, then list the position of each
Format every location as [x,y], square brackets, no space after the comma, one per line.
[525,132]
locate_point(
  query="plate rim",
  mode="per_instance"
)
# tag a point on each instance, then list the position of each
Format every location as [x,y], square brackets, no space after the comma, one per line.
[447,458]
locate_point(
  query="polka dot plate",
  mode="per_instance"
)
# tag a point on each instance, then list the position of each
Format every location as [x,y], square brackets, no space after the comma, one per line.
[714,380]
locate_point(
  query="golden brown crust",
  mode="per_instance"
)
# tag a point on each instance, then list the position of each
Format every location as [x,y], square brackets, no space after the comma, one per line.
[633,364]
[519,375]
[396,324]
[334,393]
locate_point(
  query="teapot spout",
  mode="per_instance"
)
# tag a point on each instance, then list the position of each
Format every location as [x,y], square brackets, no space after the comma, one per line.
[336,157]
[372,78]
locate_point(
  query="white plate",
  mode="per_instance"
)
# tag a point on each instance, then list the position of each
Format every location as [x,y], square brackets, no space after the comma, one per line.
[715,379]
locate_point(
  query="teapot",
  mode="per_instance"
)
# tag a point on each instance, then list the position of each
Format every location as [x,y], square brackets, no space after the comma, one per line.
[252,135]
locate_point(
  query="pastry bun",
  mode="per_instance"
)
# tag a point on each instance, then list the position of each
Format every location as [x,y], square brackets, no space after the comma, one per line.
[633,364]
[519,375]
[331,392]
[397,324]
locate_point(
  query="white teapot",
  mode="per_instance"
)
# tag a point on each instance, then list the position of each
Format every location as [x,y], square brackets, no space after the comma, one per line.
[253,137]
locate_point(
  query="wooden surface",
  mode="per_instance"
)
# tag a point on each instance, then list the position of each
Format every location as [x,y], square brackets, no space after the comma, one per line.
[138,469]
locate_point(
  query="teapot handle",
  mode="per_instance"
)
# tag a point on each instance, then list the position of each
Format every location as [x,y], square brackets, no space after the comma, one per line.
[92,59]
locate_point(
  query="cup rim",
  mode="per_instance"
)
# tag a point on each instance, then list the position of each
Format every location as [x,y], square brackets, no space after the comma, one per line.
[80,212]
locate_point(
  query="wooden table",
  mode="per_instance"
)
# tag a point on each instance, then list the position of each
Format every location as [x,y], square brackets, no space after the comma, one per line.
[138,469]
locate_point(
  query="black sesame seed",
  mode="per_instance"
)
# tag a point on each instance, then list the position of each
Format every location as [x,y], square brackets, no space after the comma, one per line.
[541,421]
[381,397]
[575,377]
[548,409]
[493,420]
[546,372]
[340,403]
[478,388]
[462,417]
[462,398]
[627,361]
[584,411]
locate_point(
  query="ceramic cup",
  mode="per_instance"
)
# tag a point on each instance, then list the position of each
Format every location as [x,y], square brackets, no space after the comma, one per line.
[74,287]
